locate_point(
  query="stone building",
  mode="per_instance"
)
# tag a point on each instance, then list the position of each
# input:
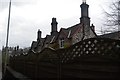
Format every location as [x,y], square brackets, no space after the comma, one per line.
[66,36]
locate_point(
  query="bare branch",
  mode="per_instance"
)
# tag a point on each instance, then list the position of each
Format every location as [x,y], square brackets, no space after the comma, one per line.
[112,17]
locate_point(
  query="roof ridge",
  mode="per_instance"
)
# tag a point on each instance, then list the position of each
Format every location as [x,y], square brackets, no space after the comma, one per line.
[74,26]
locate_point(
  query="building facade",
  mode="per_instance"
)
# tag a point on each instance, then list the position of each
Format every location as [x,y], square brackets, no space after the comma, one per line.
[66,36]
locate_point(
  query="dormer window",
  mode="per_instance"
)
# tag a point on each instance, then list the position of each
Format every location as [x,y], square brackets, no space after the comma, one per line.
[61,43]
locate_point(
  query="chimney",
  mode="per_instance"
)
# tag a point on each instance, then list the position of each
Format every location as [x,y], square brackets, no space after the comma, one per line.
[84,13]
[54,26]
[39,35]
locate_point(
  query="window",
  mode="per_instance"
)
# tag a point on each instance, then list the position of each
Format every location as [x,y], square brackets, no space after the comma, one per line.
[61,43]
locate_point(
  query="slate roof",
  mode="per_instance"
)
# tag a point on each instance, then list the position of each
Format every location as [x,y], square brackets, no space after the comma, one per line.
[68,33]
[50,38]
[41,41]
[73,29]
[34,44]
[70,30]
[114,35]
[54,37]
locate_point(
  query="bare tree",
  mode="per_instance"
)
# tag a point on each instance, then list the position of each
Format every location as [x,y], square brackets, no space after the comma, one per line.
[113,17]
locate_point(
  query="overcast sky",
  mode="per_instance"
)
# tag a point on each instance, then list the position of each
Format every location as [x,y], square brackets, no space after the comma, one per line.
[27,16]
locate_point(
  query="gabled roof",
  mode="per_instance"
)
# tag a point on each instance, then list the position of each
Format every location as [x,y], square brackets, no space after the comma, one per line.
[50,38]
[34,44]
[54,37]
[68,32]
[41,41]
[73,29]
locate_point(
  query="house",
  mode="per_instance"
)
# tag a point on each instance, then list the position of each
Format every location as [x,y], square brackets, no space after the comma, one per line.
[66,36]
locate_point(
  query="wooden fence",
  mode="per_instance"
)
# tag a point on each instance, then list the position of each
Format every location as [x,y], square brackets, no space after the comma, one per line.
[95,58]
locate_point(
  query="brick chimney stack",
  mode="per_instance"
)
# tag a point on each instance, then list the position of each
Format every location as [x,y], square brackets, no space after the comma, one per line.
[39,35]
[85,14]
[54,26]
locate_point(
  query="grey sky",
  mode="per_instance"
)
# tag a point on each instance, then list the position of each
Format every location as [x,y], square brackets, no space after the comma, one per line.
[5,3]
[27,16]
